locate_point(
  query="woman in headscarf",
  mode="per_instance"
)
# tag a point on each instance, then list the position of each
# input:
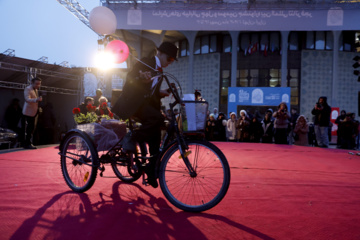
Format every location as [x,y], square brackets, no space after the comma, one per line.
[242,125]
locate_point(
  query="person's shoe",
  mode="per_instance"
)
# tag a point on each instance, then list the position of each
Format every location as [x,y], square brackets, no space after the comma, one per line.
[129,144]
[30,146]
[152,181]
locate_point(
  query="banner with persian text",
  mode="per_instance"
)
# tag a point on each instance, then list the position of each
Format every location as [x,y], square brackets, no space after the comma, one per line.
[257,96]
[237,20]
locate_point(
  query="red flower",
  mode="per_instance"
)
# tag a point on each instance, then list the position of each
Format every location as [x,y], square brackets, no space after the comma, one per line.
[111,115]
[76,110]
[89,107]
[104,104]
[93,108]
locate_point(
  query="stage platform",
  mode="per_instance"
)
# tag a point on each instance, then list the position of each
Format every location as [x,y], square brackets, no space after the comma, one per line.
[276,192]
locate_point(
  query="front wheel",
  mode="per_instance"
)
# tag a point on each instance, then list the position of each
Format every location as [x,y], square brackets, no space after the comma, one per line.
[201,189]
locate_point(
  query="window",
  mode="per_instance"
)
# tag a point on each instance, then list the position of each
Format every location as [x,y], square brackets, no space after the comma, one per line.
[213,43]
[264,41]
[184,49]
[197,46]
[310,40]
[204,44]
[294,41]
[275,41]
[275,78]
[320,40]
[294,84]
[225,83]
[329,41]
[227,43]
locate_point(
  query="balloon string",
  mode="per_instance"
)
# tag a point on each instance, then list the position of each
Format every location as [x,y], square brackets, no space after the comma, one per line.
[142,62]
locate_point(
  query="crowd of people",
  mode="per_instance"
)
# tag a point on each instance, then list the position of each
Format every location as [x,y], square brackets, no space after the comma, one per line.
[283,127]
[276,126]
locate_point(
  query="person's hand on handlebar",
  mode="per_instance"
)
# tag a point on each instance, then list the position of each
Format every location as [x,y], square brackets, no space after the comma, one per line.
[145,76]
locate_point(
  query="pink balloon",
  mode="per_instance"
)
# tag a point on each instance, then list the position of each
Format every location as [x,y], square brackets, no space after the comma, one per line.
[119,49]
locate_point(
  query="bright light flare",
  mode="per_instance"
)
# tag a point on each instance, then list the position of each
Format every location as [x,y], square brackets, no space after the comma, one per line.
[105,60]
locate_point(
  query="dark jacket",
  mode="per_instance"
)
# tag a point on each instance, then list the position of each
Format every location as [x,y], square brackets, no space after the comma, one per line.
[322,117]
[136,93]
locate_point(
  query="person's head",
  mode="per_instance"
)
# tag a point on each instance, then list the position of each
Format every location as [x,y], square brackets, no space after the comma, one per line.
[99,92]
[215,110]
[103,102]
[343,113]
[212,117]
[15,102]
[167,53]
[89,100]
[283,106]
[301,119]
[349,116]
[268,116]
[197,95]
[233,116]
[269,111]
[293,110]
[322,100]
[243,113]
[221,115]
[36,82]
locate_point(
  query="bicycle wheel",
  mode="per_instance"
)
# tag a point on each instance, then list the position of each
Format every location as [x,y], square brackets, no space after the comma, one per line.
[79,162]
[202,190]
[127,168]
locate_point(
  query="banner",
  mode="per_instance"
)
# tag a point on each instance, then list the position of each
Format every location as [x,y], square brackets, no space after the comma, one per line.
[257,96]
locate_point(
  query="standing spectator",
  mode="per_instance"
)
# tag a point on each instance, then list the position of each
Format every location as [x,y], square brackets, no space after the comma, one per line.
[255,130]
[268,127]
[46,124]
[198,96]
[97,97]
[83,108]
[242,126]
[220,128]
[13,115]
[210,126]
[30,111]
[281,124]
[338,121]
[231,127]
[322,113]
[292,122]
[216,113]
[348,132]
[301,131]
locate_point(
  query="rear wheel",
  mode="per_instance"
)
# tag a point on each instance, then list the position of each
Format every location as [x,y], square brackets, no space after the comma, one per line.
[79,162]
[128,166]
[202,189]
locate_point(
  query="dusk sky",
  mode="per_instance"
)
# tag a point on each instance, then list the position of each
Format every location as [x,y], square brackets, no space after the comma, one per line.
[39,28]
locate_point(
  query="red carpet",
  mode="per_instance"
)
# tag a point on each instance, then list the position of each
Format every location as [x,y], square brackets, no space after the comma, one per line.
[276,192]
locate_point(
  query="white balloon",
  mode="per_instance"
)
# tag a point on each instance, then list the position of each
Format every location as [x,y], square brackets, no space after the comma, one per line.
[103,20]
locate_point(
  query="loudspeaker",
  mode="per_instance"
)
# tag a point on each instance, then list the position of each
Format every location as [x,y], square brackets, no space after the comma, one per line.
[116,93]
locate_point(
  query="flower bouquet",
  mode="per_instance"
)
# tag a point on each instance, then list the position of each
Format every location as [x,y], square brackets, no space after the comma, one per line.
[90,116]
[103,130]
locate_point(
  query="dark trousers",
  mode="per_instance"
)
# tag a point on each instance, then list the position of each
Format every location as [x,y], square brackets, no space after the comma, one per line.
[150,131]
[29,126]
[280,136]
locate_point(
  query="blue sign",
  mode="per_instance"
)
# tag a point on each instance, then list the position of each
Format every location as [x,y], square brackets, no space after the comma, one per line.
[257,96]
